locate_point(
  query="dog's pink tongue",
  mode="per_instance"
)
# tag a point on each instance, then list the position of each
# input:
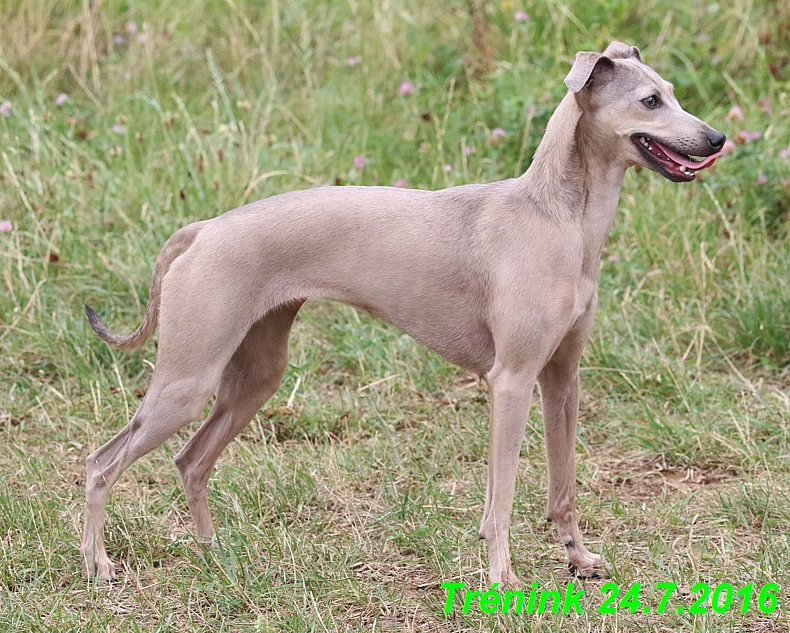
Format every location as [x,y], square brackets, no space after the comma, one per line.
[687,162]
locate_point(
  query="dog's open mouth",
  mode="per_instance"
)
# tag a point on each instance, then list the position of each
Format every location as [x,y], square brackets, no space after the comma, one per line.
[668,162]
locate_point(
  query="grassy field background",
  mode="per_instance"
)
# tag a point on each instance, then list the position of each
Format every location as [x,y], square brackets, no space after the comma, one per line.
[358,490]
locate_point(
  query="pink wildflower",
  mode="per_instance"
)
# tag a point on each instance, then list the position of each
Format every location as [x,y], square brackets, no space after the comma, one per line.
[447,169]
[761,179]
[118,39]
[61,99]
[785,153]
[746,136]
[521,16]
[765,106]
[5,226]
[406,88]
[131,27]
[401,184]
[5,108]
[729,147]
[497,132]
[359,162]
[353,61]
[735,113]
[468,150]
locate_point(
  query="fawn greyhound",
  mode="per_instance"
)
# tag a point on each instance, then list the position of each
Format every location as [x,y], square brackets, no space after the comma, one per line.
[500,279]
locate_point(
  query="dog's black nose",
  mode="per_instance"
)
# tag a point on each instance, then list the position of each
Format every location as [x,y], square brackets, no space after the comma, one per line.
[716,139]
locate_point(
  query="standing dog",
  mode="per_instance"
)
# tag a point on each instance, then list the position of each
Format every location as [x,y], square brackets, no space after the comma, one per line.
[499,278]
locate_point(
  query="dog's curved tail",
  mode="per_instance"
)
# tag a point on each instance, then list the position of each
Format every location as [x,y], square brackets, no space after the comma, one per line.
[175,246]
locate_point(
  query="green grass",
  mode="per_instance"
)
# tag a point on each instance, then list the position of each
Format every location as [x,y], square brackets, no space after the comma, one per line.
[346,511]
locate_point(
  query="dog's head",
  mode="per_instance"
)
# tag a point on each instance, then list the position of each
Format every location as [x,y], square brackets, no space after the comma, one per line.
[635,113]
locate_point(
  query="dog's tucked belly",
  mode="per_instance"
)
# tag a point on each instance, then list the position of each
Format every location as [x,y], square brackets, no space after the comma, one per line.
[447,315]
[467,344]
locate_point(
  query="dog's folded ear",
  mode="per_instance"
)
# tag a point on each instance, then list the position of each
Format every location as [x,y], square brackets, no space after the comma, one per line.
[618,50]
[589,69]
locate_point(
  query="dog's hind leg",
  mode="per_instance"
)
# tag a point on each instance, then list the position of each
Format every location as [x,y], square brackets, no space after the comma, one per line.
[189,365]
[165,409]
[249,379]
[559,386]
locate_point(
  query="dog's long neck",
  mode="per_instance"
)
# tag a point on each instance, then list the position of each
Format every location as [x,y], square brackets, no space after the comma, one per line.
[574,177]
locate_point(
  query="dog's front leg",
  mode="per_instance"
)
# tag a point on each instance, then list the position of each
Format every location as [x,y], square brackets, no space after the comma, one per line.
[511,394]
[559,387]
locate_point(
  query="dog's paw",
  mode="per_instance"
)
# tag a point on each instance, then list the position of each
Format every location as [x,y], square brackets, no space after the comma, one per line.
[96,565]
[506,579]
[511,581]
[208,542]
[104,571]
[586,565]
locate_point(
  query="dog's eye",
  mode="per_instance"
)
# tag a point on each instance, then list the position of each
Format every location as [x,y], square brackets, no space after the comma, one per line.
[651,102]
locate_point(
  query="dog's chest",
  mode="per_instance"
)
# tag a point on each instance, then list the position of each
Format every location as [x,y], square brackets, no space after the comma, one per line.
[585,291]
